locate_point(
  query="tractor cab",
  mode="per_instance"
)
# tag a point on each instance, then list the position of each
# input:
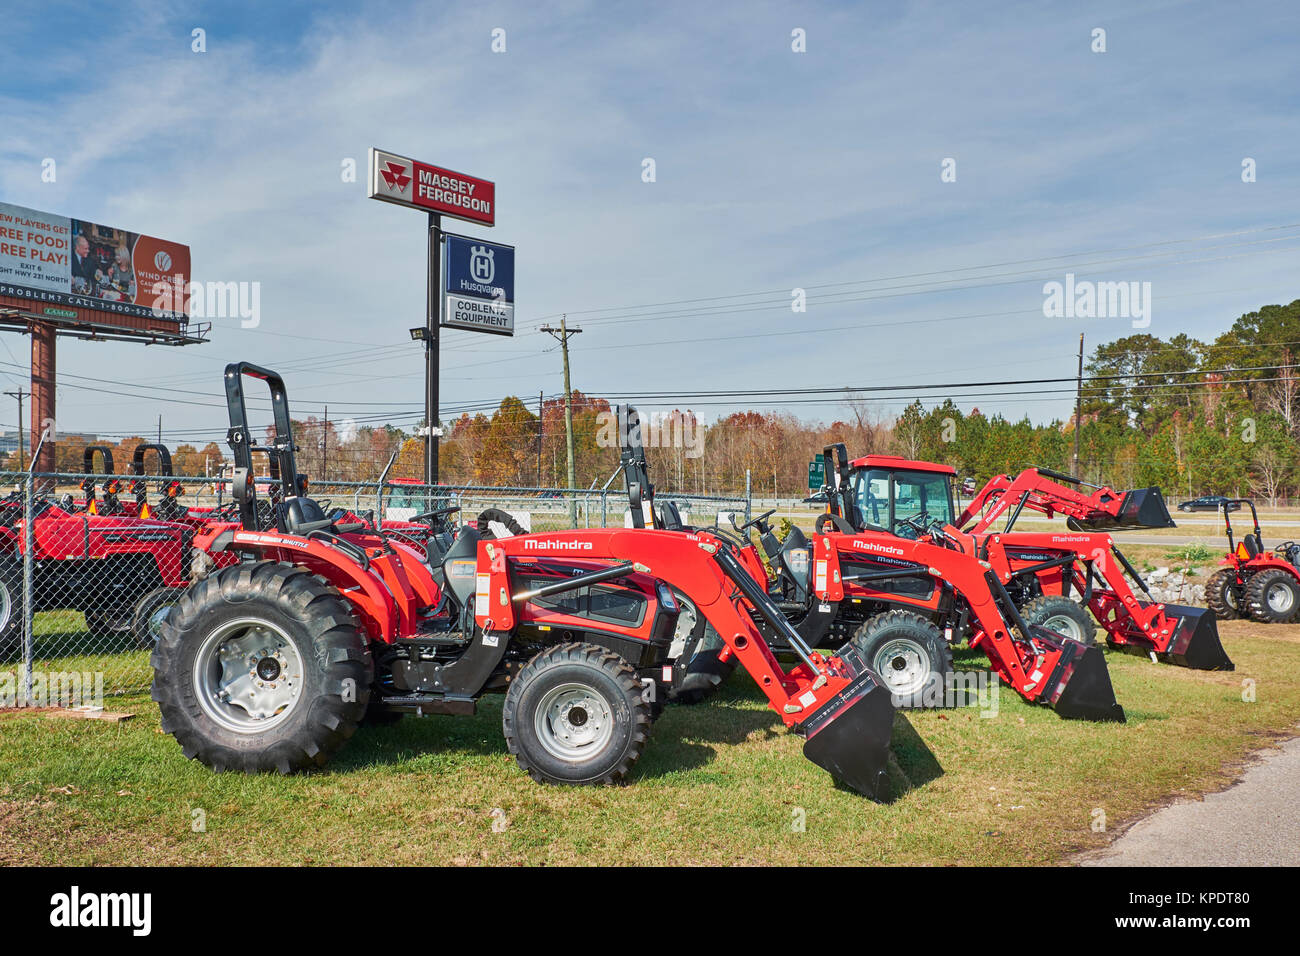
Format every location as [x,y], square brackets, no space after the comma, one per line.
[900,496]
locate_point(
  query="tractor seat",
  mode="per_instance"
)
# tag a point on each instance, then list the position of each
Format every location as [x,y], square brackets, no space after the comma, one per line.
[301,516]
[670,519]
[1254,547]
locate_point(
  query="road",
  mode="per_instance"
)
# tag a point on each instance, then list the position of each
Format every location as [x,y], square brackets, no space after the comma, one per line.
[1252,823]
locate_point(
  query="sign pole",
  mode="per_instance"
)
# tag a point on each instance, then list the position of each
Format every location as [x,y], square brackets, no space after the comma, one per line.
[432,314]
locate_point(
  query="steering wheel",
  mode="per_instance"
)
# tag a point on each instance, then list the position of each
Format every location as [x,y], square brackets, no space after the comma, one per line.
[917,525]
[756,521]
[434,515]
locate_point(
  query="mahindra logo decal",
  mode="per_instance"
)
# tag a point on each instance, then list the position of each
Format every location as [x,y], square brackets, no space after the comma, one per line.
[876,548]
[395,175]
[531,544]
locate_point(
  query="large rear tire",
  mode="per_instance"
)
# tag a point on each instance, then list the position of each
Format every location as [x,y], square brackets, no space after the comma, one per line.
[1223,595]
[909,655]
[576,715]
[1273,596]
[11,609]
[1062,616]
[261,667]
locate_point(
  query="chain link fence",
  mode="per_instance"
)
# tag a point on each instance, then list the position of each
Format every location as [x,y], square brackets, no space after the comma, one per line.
[90,564]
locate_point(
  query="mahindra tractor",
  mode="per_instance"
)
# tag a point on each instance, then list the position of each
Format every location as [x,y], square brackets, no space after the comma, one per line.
[1256,583]
[900,601]
[271,663]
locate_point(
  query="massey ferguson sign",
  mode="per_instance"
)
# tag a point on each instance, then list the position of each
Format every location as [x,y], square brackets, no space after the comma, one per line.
[409,182]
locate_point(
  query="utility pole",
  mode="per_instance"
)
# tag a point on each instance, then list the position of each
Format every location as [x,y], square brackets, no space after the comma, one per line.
[1078,409]
[562,335]
[20,395]
[160,429]
[325,446]
[541,424]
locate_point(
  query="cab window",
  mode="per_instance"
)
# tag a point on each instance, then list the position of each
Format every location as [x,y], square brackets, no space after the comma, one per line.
[885,498]
[872,499]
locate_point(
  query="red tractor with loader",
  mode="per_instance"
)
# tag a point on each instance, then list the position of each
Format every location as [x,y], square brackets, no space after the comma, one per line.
[271,663]
[1256,583]
[901,602]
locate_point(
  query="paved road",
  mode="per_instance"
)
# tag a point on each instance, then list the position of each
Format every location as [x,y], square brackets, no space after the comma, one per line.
[1253,823]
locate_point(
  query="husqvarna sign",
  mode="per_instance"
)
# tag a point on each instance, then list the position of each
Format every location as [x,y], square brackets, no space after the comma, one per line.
[479,285]
[409,182]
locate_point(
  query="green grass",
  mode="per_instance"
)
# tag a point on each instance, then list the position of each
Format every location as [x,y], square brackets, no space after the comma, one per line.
[719,783]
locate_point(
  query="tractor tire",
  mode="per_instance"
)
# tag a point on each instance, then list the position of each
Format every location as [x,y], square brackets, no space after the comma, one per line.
[261,667]
[109,623]
[150,612]
[576,715]
[909,655]
[1223,596]
[701,644]
[1062,616]
[1273,596]
[11,609]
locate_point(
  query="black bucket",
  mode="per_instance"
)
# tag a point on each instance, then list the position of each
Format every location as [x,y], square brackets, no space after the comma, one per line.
[1084,691]
[1141,508]
[849,735]
[1196,641]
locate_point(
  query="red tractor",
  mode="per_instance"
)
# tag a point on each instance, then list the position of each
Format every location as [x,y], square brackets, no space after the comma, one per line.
[900,601]
[271,663]
[1255,583]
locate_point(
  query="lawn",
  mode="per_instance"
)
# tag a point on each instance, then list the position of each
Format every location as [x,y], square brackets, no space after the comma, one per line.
[720,783]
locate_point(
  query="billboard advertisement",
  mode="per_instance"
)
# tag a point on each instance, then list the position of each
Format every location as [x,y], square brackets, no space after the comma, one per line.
[59,261]
[479,285]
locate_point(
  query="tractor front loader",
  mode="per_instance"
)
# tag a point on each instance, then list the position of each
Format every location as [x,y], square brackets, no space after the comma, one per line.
[272,662]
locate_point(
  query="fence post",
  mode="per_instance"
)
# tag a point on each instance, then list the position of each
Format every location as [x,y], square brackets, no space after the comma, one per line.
[28,603]
[749,501]
[604,509]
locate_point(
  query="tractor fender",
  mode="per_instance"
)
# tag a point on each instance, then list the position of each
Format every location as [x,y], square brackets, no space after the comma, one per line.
[363,588]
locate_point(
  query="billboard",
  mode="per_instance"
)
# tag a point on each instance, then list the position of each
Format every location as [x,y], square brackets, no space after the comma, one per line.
[417,185]
[67,265]
[479,284]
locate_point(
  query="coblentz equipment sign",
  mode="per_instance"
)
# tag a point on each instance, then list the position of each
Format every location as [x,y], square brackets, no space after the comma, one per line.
[408,182]
[479,285]
[70,262]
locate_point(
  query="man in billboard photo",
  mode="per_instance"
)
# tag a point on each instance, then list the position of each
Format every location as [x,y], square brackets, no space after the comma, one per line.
[84,265]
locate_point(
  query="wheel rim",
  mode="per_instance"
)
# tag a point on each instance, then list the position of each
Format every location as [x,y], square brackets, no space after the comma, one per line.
[1064,625]
[1280,597]
[903,665]
[574,722]
[6,607]
[153,624]
[248,676]
[1230,596]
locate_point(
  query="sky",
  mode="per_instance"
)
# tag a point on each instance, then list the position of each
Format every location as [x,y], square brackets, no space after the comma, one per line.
[774,170]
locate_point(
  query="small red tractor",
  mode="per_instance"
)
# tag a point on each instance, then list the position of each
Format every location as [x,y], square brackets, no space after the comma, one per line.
[271,663]
[1255,583]
[899,601]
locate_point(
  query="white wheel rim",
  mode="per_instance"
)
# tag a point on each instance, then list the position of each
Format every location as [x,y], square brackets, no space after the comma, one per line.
[1064,625]
[903,665]
[248,676]
[1280,597]
[574,722]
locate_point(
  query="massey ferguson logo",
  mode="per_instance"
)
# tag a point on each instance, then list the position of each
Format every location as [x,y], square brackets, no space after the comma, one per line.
[481,266]
[395,176]
[875,548]
[574,545]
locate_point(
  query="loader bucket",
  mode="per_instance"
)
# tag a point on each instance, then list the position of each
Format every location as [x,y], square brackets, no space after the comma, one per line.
[1195,640]
[1141,508]
[1084,691]
[849,735]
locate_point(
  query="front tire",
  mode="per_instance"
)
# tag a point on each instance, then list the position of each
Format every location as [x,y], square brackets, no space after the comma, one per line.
[261,667]
[909,655]
[1273,596]
[1223,595]
[576,715]
[1062,616]
[11,609]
